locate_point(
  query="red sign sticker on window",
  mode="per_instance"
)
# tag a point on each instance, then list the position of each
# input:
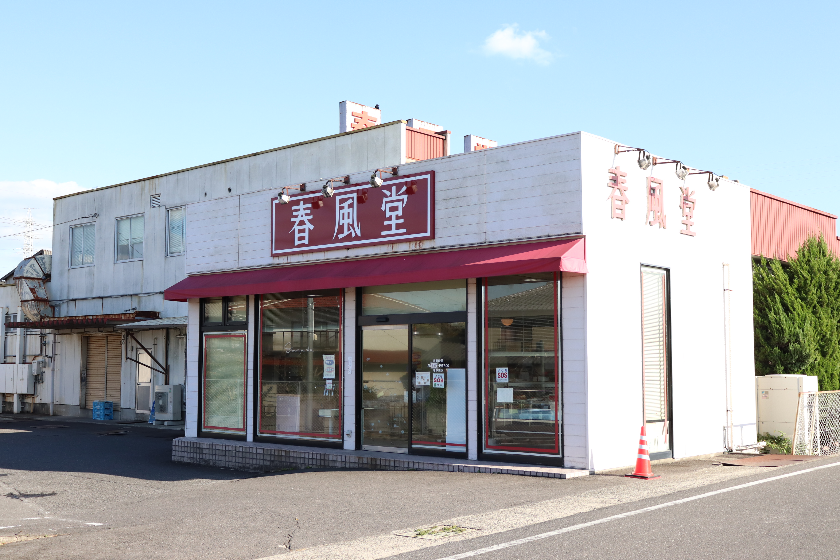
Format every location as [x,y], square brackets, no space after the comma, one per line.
[356,215]
[501,375]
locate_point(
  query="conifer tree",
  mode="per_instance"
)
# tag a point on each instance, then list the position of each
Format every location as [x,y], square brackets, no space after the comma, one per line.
[797,314]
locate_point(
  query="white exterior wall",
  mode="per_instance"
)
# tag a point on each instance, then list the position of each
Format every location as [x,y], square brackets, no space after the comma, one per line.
[349,368]
[521,191]
[615,250]
[573,324]
[540,190]
[193,348]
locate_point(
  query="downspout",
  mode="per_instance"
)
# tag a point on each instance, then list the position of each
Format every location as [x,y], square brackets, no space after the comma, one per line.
[727,359]
[166,357]
[52,377]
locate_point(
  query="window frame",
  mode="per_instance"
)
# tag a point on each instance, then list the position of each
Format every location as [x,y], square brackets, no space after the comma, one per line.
[223,328]
[116,237]
[70,254]
[224,324]
[169,253]
[298,438]
[487,451]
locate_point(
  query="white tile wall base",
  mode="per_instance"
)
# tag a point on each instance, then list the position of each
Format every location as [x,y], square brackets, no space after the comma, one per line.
[267,457]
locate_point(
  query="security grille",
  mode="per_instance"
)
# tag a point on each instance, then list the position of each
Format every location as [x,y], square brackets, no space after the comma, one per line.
[817,429]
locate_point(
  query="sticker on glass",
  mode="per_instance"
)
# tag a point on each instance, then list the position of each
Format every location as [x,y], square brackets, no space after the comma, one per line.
[501,375]
[422,378]
[437,381]
[329,366]
[504,394]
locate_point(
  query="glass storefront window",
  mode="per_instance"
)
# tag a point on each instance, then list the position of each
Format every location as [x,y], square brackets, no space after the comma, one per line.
[426,297]
[300,365]
[522,382]
[237,309]
[224,382]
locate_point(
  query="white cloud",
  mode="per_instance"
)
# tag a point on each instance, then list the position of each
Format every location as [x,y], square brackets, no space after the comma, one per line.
[17,196]
[509,41]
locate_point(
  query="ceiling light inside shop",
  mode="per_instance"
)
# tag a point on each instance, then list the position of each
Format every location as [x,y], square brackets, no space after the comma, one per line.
[507,322]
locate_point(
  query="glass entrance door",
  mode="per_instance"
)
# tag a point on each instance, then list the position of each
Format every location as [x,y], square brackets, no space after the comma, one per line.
[385,388]
[414,388]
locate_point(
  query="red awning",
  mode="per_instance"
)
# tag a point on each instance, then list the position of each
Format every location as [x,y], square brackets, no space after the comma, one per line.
[547,256]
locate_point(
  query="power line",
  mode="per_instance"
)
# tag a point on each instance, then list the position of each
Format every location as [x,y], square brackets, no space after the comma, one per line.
[53,225]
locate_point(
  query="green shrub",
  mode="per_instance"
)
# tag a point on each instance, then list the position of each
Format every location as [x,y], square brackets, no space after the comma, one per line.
[776,444]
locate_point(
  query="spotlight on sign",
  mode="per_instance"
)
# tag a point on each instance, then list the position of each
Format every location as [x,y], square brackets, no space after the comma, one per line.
[284,198]
[681,171]
[327,190]
[375,182]
[645,159]
[714,181]
[376,176]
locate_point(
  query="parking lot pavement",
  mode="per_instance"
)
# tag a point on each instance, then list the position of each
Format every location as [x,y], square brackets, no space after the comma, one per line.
[103,490]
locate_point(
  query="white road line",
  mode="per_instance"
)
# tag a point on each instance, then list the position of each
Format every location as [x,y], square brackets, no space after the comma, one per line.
[541,536]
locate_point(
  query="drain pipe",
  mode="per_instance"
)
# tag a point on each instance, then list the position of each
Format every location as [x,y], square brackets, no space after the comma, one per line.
[727,359]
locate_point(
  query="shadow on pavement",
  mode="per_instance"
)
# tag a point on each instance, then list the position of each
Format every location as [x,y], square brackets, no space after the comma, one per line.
[60,444]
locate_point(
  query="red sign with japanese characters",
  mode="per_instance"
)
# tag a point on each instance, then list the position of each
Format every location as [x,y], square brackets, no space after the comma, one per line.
[401,210]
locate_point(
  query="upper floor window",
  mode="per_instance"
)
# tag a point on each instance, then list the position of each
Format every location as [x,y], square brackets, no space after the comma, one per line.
[130,238]
[81,245]
[226,311]
[176,220]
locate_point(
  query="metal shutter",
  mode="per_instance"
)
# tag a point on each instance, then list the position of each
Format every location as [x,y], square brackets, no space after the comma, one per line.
[96,359]
[654,344]
[114,376]
[104,366]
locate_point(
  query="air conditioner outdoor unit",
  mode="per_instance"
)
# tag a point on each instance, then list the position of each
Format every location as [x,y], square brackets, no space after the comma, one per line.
[168,402]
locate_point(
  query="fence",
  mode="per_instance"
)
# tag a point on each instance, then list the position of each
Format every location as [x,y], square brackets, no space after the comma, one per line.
[817,429]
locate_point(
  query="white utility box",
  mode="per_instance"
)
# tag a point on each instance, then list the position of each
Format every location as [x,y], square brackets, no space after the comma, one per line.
[777,398]
[168,402]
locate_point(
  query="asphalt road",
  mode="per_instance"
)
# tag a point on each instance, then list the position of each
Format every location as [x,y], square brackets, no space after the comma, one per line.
[791,517]
[80,492]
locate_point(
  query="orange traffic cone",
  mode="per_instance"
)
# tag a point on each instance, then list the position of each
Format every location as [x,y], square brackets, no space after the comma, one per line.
[643,460]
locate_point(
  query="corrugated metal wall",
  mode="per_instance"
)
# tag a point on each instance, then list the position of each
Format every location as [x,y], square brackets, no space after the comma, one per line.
[780,226]
[420,145]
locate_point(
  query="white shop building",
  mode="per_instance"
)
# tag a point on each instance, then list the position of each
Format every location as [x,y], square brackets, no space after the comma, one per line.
[536,302]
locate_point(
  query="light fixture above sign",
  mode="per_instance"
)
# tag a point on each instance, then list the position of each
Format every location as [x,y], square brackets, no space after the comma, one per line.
[376,176]
[645,158]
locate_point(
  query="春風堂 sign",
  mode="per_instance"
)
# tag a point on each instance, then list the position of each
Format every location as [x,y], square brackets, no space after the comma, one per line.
[401,210]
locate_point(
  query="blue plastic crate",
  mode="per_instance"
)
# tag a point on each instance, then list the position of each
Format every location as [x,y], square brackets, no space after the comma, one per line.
[103,415]
[103,410]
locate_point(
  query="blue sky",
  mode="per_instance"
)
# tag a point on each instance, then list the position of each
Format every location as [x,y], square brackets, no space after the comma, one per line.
[100,93]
